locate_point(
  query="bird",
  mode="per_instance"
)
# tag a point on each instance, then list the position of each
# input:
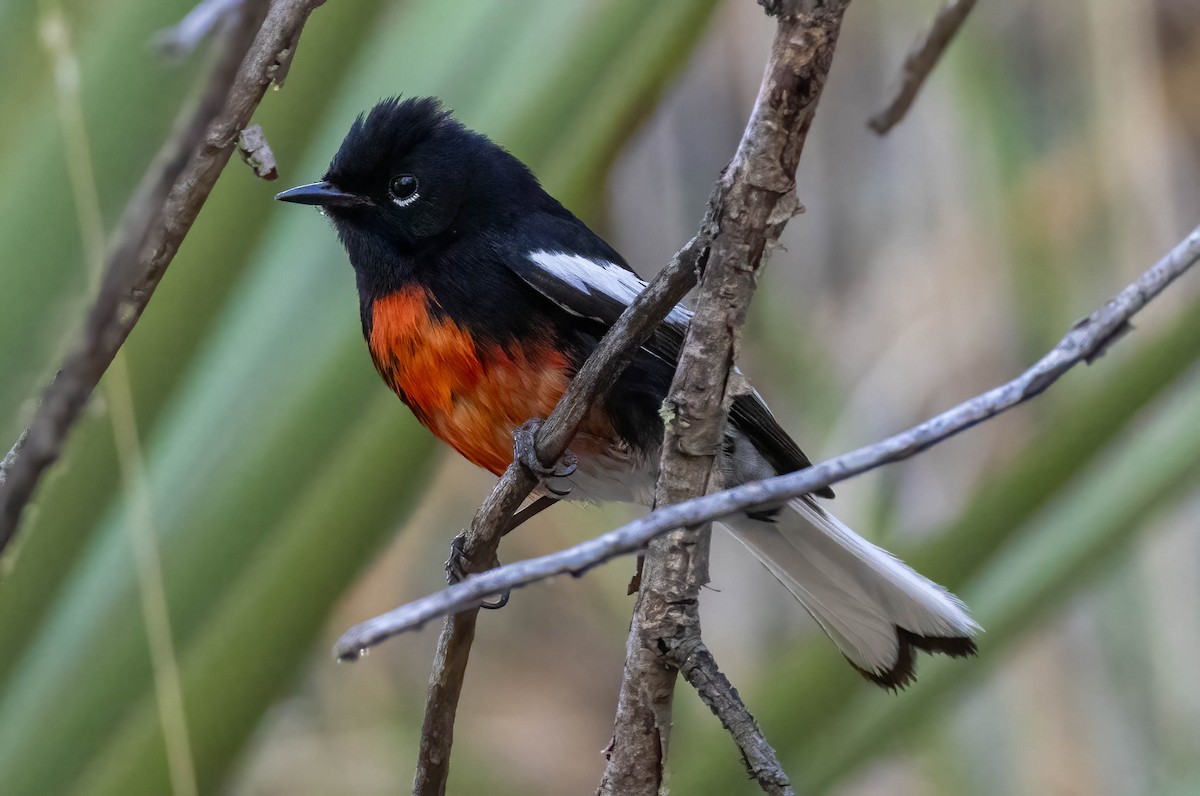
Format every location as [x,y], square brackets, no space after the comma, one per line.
[481,296]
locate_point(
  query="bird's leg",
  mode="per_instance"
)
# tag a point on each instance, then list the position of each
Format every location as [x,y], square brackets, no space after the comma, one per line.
[525,452]
[456,565]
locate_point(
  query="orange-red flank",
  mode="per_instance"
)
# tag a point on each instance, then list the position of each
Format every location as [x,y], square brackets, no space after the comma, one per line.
[470,394]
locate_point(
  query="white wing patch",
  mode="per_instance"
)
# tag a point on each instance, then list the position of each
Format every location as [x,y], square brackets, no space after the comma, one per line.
[600,277]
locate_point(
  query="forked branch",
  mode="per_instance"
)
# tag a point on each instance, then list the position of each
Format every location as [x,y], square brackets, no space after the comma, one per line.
[754,202]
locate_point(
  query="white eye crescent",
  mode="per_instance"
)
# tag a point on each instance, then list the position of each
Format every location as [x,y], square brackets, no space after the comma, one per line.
[403,189]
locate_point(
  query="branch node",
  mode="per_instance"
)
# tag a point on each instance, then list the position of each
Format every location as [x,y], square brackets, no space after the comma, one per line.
[1100,347]
[278,71]
[256,152]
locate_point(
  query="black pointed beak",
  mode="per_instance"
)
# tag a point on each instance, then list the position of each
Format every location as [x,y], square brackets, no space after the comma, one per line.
[324,194]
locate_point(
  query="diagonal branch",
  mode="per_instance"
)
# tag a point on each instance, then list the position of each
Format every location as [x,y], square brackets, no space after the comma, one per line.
[922,57]
[699,668]
[1085,342]
[152,227]
[492,521]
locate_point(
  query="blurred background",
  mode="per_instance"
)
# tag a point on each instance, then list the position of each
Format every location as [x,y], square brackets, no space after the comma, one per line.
[1052,157]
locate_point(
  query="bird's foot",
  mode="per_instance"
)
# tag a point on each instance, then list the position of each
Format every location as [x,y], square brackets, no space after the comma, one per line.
[525,452]
[457,570]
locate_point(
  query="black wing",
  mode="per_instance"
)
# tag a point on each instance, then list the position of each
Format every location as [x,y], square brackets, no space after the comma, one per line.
[750,415]
[576,270]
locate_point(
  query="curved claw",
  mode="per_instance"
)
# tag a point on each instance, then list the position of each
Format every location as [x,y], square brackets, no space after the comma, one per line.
[565,466]
[456,570]
[500,602]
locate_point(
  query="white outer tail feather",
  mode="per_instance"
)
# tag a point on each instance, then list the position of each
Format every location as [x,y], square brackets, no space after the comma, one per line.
[862,596]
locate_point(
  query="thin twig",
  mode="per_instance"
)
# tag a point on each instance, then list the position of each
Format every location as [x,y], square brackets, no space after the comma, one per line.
[152,227]
[922,57]
[755,201]
[1087,340]
[185,36]
[700,670]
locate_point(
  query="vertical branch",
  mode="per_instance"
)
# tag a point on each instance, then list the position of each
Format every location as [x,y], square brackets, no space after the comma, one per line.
[748,210]
[441,703]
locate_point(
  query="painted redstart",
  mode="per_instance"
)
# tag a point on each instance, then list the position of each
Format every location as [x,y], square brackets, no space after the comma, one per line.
[480,297]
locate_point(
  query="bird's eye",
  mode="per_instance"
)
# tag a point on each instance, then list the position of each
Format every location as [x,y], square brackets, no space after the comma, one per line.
[404,189]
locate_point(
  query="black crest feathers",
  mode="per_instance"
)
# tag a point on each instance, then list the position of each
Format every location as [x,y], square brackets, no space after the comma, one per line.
[392,127]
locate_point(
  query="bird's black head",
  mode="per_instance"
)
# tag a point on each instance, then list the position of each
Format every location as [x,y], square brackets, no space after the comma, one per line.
[407,174]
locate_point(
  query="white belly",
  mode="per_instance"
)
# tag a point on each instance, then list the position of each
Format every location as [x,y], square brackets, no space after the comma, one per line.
[620,476]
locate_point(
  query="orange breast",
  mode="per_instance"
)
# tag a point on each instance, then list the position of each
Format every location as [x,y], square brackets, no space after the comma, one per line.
[472,395]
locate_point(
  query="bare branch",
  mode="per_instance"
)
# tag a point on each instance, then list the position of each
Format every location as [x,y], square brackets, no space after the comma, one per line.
[751,206]
[492,520]
[1086,339]
[185,36]
[153,225]
[481,541]
[699,668]
[922,57]
[441,703]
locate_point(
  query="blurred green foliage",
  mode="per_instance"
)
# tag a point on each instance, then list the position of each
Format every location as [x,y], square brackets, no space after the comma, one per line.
[276,463]
[278,466]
